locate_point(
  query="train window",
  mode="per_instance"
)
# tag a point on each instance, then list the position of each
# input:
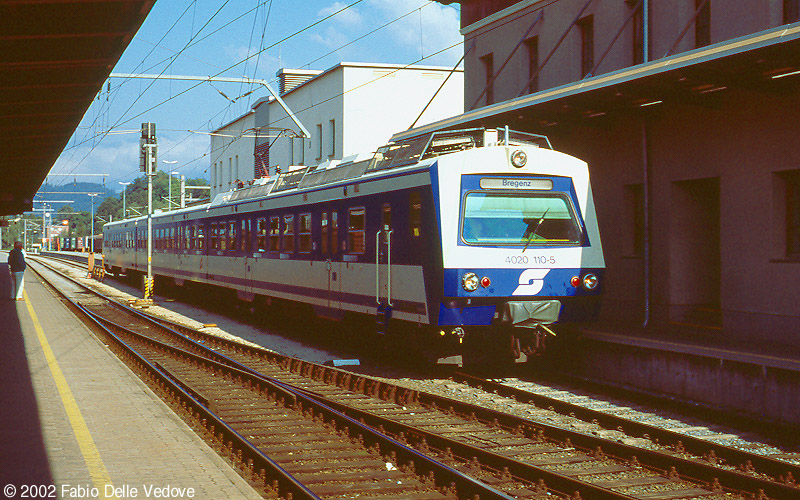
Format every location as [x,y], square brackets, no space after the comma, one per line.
[415,213]
[213,235]
[323,226]
[261,227]
[232,239]
[201,237]
[305,233]
[244,234]
[288,233]
[386,216]
[334,232]
[356,237]
[222,231]
[191,239]
[274,234]
[519,219]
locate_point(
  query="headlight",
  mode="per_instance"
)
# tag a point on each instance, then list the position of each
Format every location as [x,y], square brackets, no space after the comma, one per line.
[470,282]
[590,281]
[519,158]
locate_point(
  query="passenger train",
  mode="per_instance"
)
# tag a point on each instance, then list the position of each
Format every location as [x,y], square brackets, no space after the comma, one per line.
[458,239]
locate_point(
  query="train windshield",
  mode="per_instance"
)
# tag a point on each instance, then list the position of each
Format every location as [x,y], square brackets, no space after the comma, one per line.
[519,219]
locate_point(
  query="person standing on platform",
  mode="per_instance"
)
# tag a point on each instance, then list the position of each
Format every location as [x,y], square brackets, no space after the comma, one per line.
[16,261]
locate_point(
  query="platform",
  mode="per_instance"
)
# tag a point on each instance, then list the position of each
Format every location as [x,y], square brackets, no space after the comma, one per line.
[73,417]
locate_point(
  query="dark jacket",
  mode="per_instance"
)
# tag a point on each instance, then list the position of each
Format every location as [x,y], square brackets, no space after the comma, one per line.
[16,260]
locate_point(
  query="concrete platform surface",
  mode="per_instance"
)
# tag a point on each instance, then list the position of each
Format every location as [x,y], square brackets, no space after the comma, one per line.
[76,423]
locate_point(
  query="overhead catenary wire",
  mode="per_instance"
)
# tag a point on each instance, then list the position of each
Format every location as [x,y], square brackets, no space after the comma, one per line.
[306,28]
[195,40]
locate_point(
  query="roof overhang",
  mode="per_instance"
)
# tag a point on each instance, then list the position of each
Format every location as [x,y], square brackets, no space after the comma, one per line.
[54,57]
[766,60]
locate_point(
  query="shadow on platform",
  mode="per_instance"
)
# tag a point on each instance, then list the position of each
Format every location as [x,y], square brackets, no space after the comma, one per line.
[23,457]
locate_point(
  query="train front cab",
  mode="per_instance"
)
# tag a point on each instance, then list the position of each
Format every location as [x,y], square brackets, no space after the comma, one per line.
[523,250]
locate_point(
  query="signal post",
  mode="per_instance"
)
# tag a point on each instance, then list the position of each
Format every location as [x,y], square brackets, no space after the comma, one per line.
[148,147]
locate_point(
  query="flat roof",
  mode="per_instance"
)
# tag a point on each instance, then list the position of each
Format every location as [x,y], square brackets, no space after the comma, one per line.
[762,59]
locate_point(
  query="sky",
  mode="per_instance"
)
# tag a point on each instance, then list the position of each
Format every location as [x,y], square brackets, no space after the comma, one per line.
[237,38]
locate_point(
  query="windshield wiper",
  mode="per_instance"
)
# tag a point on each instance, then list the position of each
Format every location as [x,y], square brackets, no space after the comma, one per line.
[531,232]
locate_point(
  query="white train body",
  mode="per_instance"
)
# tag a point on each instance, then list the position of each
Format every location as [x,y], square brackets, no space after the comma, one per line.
[455,232]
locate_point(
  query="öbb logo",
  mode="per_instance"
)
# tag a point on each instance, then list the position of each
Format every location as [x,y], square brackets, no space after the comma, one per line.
[531,281]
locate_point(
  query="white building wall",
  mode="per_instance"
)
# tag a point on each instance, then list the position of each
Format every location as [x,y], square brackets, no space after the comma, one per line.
[355,108]
[232,154]
[383,100]
[350,108]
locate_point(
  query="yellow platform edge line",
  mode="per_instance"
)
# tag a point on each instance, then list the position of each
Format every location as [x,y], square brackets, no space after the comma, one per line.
[97,469]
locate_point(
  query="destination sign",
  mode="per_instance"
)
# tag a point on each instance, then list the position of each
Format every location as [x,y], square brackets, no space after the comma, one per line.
[498,183]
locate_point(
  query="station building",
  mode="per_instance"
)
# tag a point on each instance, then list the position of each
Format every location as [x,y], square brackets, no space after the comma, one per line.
[348,109]
[688,114]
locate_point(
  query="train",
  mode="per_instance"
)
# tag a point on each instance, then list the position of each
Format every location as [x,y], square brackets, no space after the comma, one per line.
[78,243]
[458,241]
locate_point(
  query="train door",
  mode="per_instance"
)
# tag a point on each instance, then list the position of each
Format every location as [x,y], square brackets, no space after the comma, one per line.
[137,251]
[383,255]
[329,246]
[383,268]
[246,247]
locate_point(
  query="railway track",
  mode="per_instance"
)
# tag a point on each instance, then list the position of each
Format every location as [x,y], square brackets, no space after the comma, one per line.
[517,457]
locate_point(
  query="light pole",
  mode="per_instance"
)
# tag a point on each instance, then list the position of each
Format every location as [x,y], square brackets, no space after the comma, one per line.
[170,188]
[91,235]
[124,190]
[169,183]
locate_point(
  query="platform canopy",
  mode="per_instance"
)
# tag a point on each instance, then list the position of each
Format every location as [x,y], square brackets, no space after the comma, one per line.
[768,61]
[54,57]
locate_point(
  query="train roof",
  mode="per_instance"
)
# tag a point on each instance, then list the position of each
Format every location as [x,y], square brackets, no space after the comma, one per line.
[403,153]
[393,155]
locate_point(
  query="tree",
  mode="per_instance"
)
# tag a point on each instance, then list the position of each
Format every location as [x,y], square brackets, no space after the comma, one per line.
[110,209]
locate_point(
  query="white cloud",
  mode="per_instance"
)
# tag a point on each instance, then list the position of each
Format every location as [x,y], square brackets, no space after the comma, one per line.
[351,17]
[439,25]
[331,38]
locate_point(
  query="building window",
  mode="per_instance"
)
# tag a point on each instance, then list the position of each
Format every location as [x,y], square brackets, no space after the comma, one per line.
[319,141]
[702,23]
[532,46]
[788,209]
[638,34]
[586,26]
[288,233]
[791,11]
[305,233]
[356,237]
[333,137]
[301,160]
[488,68]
